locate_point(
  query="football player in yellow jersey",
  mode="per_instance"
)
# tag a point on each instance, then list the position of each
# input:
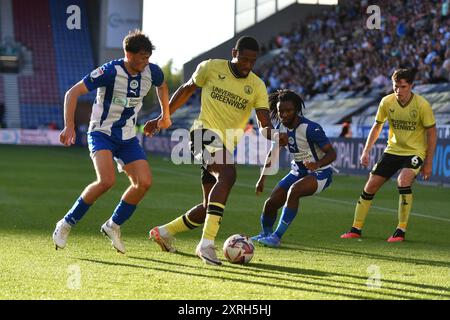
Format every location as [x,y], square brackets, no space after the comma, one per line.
[410,149]
[230,90]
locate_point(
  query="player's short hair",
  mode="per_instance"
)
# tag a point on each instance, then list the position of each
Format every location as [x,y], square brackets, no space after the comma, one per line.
[285,95]
[407,74]
[246,42]
[136,41]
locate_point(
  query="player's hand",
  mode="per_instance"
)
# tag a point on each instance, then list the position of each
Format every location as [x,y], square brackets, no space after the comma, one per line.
[67,136]
[164,123]
[259,187]
[283,139]
[151,127]
[313,166]
[426,170]
[364,160]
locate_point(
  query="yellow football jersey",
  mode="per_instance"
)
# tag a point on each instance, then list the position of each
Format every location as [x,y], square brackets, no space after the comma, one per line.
[227,100]
[407,124]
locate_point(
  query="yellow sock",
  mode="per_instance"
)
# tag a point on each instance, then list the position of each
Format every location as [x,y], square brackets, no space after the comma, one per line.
[180,224]
[404,206]
[362,208]
[214,215]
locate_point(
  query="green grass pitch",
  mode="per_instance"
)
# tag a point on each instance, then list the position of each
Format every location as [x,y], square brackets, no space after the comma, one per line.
[38,186]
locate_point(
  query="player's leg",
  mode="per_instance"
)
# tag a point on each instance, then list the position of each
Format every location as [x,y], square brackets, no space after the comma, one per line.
[385,168]
[273,204]
[193,218]
[140,177]
[104,168]
[132,160]
[163,235]
[196,216]
[225,175]
[405,180]
[304,187]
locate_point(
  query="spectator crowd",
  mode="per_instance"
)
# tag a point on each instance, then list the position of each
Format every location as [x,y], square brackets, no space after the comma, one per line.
[337,52]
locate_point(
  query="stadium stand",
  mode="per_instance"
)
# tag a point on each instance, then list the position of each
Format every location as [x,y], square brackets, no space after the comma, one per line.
[49,117]
[2,90]
[342,68]
[338,65]
[73,50]
[54,58]
[335,52]
[31,27]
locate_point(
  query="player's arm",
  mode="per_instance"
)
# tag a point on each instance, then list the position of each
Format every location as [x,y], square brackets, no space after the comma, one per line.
[270,167]
[67,135]
[266,128]
[328,158]
[427,167]
[179,98]
[163,97]
[182,95]
[371,139]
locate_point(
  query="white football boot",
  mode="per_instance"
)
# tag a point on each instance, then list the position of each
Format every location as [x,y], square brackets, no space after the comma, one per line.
[164,241]
[61,233]
[208,255]
[112,231]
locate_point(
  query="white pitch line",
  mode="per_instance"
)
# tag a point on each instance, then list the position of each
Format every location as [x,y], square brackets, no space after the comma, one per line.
[321,198]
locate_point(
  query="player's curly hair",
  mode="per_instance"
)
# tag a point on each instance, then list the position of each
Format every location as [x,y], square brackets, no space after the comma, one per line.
[136,41]
[285,95]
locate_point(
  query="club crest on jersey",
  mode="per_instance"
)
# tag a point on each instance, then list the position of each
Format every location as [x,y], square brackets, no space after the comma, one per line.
[248,90]
[134,84]
[96,73]
[291,140]
[413,114]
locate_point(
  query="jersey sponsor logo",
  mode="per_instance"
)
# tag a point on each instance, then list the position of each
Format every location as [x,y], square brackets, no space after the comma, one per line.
[404,125]
[133,102]
[96,73]
[119,101]
[229,98]
[134,84]
[303,156]
[248,89]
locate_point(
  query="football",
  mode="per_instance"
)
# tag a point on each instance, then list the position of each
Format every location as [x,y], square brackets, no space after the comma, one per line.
[239,249]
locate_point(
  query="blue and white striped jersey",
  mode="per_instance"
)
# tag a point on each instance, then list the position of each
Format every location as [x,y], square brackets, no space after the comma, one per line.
[119,97]
[304,142]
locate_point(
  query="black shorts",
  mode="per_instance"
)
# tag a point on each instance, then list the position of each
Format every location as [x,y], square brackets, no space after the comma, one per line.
[389,164]
[197,143]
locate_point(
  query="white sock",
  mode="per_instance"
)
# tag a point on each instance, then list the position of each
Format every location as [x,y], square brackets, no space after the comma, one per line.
[163,232]
[66,223]
[112,224]
[205,243]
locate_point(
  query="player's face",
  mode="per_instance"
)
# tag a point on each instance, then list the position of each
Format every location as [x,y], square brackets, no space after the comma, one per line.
[244,61]
[287,113]
[402,90]
[138,61]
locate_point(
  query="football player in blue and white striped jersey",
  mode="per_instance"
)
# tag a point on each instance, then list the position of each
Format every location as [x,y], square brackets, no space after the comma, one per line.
[121,87]
[311,170]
